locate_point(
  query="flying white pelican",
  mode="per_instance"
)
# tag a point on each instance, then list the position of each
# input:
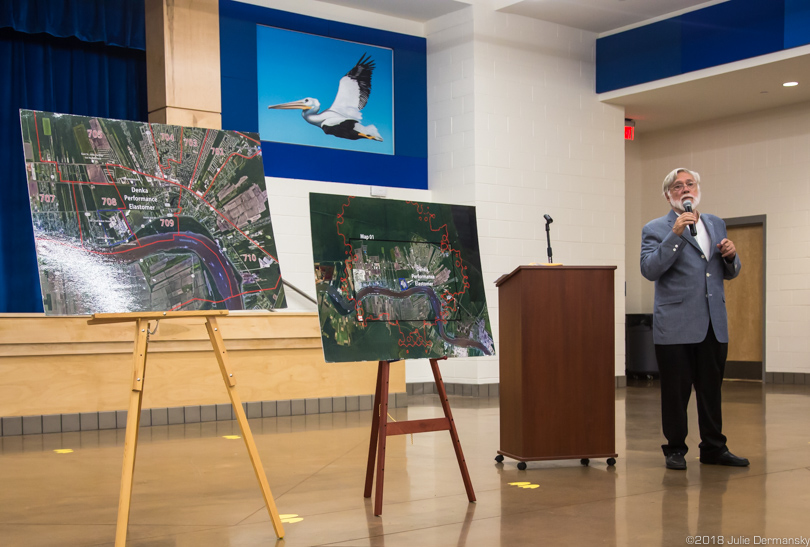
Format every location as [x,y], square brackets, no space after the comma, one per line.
[342,119]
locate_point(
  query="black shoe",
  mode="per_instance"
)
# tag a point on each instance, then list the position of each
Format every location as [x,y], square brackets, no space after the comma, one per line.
[676,461]
[726,458]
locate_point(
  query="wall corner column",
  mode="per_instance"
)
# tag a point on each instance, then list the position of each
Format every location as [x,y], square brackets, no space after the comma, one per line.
[182,62]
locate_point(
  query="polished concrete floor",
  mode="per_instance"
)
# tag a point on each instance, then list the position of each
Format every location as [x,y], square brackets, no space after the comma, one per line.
[194,487]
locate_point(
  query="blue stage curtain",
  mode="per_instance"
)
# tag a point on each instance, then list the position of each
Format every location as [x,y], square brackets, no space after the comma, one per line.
[112,22]
[44,72]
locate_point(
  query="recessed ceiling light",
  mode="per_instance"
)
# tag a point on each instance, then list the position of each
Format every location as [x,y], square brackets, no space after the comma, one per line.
[790,84]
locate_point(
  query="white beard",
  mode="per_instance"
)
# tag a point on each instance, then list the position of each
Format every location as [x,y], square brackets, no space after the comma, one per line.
[694,199]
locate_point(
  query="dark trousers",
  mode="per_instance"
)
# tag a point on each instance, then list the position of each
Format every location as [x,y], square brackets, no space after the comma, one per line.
[682,366]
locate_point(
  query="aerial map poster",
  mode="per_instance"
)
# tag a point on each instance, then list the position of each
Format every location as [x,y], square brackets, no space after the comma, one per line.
[132,216]
[398,280]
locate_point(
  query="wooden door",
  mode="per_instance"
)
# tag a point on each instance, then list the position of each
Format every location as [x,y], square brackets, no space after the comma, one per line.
[745,304]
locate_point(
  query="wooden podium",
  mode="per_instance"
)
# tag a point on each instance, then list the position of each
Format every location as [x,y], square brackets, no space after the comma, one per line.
[557,356]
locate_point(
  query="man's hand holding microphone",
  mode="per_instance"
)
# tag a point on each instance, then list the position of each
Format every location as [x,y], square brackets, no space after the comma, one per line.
[689,218]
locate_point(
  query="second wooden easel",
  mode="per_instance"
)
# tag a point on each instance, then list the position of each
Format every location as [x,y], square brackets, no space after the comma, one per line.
[381,429]
[136,399]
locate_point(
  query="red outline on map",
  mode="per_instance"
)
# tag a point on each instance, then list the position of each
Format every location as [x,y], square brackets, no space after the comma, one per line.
[182,187]
[414,338]
[157,154]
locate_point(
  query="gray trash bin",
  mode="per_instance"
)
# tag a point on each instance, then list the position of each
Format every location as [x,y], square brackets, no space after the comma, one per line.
[639,347]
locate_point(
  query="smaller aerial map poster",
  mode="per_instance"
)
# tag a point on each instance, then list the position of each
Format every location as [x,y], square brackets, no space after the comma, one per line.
[398,280]
[132,216]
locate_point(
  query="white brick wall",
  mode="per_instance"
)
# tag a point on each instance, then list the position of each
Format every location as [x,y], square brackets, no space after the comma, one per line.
[451,114]
[749,165]
[634,182]
[542,144]
[515,129]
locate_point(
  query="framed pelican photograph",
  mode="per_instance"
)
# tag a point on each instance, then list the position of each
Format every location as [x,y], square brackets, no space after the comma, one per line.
[319,91]
[370,123]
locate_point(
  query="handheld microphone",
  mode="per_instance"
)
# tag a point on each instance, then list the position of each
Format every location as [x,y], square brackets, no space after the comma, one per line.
[687,206]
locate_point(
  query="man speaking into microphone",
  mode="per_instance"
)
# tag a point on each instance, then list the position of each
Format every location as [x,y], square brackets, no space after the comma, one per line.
[688,255]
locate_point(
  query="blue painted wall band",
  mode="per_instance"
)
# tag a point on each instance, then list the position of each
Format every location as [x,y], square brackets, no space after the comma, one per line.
[712,36]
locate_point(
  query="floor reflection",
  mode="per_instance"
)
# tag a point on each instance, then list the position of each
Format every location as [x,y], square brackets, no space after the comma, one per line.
[195,487]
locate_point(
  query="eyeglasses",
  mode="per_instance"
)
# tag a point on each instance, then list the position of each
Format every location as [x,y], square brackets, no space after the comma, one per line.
[678,188]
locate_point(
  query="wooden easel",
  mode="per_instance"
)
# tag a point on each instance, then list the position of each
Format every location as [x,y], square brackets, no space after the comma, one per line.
[136,398]
[381,429]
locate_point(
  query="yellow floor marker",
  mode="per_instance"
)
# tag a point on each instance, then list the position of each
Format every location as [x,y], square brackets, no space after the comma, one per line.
[290,519]
[63,450]
[525,485]
[231,437]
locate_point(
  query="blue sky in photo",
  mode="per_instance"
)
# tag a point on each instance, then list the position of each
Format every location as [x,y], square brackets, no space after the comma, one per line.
[295,65]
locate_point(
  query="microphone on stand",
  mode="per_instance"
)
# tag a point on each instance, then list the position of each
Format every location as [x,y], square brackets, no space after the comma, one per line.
[687,206]
[549,220]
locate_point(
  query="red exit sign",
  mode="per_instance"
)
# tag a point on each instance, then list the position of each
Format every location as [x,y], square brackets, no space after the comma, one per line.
[629,132]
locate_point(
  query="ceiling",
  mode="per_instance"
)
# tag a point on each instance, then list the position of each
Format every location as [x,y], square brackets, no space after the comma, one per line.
[655,107]
[736,92]
[414,10]
[593,15]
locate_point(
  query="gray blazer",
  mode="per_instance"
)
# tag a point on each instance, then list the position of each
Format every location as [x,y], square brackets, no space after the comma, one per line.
[688,287]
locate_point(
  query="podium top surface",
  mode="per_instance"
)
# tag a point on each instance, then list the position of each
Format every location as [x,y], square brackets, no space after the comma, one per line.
[500,281]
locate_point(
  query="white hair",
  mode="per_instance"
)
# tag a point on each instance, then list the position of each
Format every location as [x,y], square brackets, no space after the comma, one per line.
[670,178]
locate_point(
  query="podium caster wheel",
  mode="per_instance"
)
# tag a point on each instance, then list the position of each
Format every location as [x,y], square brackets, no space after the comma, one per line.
[611,462]
[584,461]
[499,458]
[522,466]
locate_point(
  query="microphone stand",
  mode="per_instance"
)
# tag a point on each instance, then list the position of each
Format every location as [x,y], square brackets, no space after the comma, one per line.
[548,236]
